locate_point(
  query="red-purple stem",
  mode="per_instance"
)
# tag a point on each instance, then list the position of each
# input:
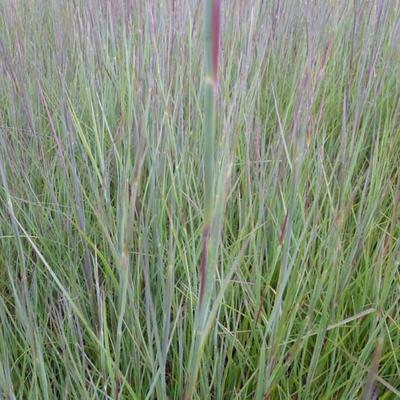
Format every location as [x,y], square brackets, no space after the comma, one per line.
[216,22]
[203,265]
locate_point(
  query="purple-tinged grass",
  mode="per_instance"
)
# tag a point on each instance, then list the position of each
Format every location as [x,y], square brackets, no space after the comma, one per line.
[179,235]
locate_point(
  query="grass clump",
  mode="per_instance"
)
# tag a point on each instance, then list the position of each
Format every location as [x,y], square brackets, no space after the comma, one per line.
[199,199]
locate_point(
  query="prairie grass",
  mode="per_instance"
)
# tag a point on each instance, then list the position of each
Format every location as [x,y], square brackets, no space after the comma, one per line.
[176,227]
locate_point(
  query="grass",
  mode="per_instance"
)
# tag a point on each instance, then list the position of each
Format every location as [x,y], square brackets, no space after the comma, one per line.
[199,210]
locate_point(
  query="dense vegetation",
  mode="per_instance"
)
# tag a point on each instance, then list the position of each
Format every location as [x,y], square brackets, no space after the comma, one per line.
[176,227]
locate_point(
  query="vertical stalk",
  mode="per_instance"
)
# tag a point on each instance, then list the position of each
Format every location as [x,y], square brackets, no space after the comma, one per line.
[210,74]
[209,247]
[211,47]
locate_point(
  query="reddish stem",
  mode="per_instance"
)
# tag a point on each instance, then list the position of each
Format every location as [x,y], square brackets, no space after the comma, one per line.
[216,18]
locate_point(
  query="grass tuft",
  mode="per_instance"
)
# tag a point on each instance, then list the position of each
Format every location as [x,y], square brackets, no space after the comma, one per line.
[199,199]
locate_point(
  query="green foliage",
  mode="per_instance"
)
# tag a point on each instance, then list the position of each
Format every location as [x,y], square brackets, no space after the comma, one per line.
[115,156]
